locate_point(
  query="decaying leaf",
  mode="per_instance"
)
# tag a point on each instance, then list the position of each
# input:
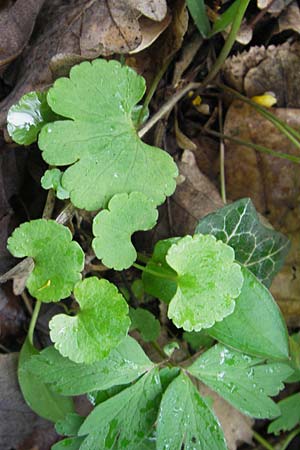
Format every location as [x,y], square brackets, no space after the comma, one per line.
[290,18]
[271,69]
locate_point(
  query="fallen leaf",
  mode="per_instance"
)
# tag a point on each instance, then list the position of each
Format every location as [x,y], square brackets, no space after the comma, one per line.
[274,7]
[272,69]
[290,18]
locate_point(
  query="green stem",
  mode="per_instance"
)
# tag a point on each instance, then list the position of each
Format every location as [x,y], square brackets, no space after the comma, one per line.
[33,320]
[159,350]
[229,41]
[289,439]
[153,272]
[262,441]
[143,258]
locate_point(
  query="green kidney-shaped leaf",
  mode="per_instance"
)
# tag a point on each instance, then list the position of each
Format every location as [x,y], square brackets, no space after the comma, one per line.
[123,365]
[208,282]
[125,420]
[244,381]
[99,140]
[185,419]
[114,227]
[52,180]
[290,415]
[58,260]
[98,327]
[260,249]
[256,326]
[26,119]
[36,393]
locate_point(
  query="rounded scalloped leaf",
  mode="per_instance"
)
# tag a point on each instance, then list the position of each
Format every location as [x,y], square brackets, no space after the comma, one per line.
[99,326]
[208,281]
[114,227]
[99,141]
[52,180]
[58,260]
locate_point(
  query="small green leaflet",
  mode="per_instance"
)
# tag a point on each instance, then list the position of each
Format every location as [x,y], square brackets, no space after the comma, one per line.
[37,395]
[244,381]
[198,12]
[26,119]
[262,250]
[58,260]
[145,322]
[72,443]
[162,288]
[256,327]
[125,420]
[123,365]
[290,415]
[208,282]
[99,141]
[69,425]
[185,419]
[99,326]
[52,180]
[114,227]
[294,362]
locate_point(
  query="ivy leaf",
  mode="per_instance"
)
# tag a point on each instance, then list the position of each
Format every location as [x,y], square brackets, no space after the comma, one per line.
[99,140]
[52,180]
[290,415]
[99,326]
[37,394]
[162,288]
[126,419]
[144,321]
[58,260]
[260,249]
[208,281]
[244,381]
[26,119]
[114,227]
[256,326]
[186,420]
[123,365]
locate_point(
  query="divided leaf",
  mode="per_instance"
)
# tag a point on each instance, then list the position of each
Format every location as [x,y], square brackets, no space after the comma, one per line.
[123,365]
[290,415]
[208,281]
[58,260]
[144,321]
[244,381]
[125,420]
[99,140]
[262,250]
[256,326]
[26,118]
[99,326]
[114,227]
[185,419]
[52,180]
[36,393]
[69,425]
[72,443]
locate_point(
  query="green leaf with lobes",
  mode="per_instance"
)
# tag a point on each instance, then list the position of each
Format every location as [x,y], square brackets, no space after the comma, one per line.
[256,326]
[99,141]
[123,365]
[186,420]
[58,260]
[259,248]
[125,420]
[37,394]
[244,381]
[208,282]
[290,415]
[114,227]
[52,180]
[26,119]
[98,327]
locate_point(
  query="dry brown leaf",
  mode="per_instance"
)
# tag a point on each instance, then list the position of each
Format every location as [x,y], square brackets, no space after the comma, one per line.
[272,183]
[260,70]
[290,18]
[274,7]
[236,426]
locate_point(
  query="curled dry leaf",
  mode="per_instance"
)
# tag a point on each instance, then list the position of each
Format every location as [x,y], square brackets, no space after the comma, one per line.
[273,185]
[274,7]
[69,32]
[290,18]
[271,69]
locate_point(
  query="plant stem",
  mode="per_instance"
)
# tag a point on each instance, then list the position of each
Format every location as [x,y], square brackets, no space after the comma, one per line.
[290,437]
[159,350]
[153,272]
[33,320]
[229,41]
[143,258]
[262,441]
